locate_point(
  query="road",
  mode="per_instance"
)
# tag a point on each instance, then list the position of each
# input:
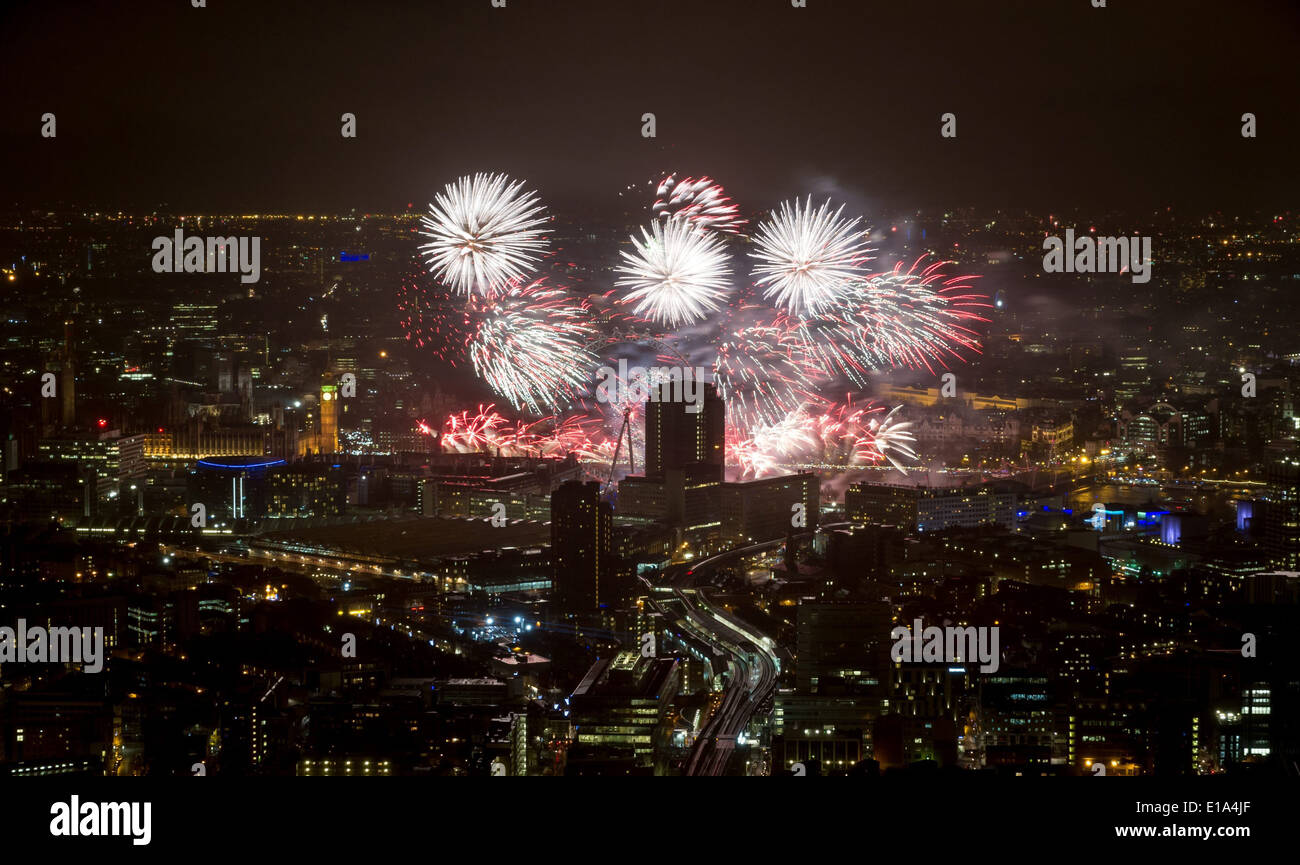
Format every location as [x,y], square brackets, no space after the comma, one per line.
[302,563]
[752,665]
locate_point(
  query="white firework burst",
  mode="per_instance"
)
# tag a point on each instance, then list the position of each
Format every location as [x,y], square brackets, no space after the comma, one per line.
[483,233]
[890,437]
[677,273]
[808,258]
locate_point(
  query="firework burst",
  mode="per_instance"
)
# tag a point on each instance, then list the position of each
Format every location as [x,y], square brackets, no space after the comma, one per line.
[852,435]
[832,436]
[763,372]
[575,434]
[889,437]
[751,458]
[483,233]
[702,203]
[768,449]
[488,431]
[834,344]
[434,320]
[815,318]
[808,260]
[470,433]
[914,317]
[530,346]
[676,274]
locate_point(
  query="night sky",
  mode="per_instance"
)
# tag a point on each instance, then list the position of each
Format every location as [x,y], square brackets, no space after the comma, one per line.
[1059,105]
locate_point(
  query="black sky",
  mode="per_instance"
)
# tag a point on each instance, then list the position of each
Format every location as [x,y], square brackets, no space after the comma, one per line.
[1059,105]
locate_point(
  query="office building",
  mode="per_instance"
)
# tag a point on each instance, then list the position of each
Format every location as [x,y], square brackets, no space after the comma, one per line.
[685,461]
[842,647]
[1279,512]
[621,711]
[255,488]
[115,459]
[687,436]
[581,527]
[930,510]
[769,508]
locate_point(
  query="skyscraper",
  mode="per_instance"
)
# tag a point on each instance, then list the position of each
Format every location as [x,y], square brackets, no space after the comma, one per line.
[688,436]
[68,384]
[685,447]
[1281,512]
[844,643]
[581,526]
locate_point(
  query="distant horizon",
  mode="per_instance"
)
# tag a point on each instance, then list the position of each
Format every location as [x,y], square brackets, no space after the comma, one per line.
[1054,103]
[83,210]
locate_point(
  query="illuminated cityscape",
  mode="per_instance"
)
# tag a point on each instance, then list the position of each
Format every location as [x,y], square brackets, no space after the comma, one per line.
[576,427]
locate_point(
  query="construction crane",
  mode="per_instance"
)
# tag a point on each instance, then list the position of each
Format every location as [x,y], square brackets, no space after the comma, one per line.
[618,448]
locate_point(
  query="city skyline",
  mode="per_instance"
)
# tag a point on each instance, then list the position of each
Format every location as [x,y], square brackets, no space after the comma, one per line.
[435,391]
